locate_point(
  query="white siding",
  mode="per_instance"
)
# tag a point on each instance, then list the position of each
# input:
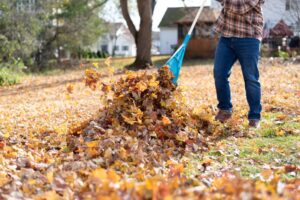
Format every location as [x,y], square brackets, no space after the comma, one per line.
[124,42]
[275,10]
[216,5]
[168,38]
[125,47]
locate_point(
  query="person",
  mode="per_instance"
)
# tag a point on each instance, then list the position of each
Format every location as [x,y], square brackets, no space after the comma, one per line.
[240,26]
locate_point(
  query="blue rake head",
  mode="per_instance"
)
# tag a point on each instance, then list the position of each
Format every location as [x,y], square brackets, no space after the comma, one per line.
[175,62]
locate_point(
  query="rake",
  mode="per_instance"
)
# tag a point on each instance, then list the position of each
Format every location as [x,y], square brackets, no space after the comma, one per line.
[175,62]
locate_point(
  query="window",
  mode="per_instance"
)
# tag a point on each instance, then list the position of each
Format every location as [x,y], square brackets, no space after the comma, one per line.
[292,5]
[104,48]
[116,48]
[25,5]
[125,48]
[287,4]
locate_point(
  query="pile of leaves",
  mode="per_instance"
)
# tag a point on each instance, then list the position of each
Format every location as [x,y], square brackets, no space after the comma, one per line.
[144,144]
[144,121]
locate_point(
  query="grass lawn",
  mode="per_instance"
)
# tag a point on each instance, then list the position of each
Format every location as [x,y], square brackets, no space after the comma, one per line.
[248,157]
[36,116]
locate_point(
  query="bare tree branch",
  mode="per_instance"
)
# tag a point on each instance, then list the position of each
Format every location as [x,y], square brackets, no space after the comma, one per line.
[125,12]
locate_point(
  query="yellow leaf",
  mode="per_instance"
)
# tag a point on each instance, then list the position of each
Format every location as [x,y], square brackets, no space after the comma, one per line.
[3,179]
[92,144]
[168,197]
[96,65]
[170,162]
[280,133]
[111,71]
[62,129]
[113,176]
[51,195]
[11,154]
[149,184]
[127,185]
[6,135]
[153,83]
[50,176]
[128,120]
[31,181]
[107,62]
[141,86]
[163,103]
[154,95]
[100,174]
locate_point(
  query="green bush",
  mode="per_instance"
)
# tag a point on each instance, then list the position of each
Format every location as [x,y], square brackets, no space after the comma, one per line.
[282,54]
[88,54]
[10,73]
[9,77]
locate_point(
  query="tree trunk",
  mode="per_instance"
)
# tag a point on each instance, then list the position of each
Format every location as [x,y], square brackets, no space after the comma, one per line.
[143,37]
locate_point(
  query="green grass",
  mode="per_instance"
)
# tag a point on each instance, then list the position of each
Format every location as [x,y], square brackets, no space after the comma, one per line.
[277,151]
[272,126]
[275,145]
[248,157]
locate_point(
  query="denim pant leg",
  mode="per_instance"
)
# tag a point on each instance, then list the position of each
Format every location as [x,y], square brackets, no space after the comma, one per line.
[247,50]
[224,59]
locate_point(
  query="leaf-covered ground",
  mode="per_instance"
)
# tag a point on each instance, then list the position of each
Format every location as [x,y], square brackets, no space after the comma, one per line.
[237,162]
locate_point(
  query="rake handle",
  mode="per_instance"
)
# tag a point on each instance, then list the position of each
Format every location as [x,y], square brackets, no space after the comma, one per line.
[197,17]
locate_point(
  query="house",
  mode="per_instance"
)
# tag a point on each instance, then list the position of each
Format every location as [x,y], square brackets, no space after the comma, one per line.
[273,11]
[175,25]
[204,40]
[116,41]
[155,43]
[286,10]
[169,29]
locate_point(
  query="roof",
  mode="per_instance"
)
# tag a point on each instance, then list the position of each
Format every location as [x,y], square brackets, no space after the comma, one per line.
[208,15]
[281,29]
[186,15]
[172,15]
[113,27]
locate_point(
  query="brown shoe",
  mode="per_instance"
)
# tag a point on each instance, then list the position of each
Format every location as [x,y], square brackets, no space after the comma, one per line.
[223,116]
[254,123]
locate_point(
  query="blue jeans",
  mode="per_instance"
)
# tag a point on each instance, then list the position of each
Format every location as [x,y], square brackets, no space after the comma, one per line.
[246,51]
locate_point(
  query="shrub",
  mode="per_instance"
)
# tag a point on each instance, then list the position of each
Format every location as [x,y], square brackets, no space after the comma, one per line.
[284,55]
[8,76]
[10,73]
[281,54]
[88,54]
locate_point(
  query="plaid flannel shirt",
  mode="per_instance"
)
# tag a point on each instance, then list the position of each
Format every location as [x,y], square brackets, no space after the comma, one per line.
[240,18]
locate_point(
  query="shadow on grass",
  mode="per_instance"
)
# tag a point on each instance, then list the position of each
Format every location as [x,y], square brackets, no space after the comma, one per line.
[117,63]
[17,90]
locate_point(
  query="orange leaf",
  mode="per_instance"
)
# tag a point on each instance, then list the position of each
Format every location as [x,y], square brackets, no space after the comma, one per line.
[166,121]
[92,144]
